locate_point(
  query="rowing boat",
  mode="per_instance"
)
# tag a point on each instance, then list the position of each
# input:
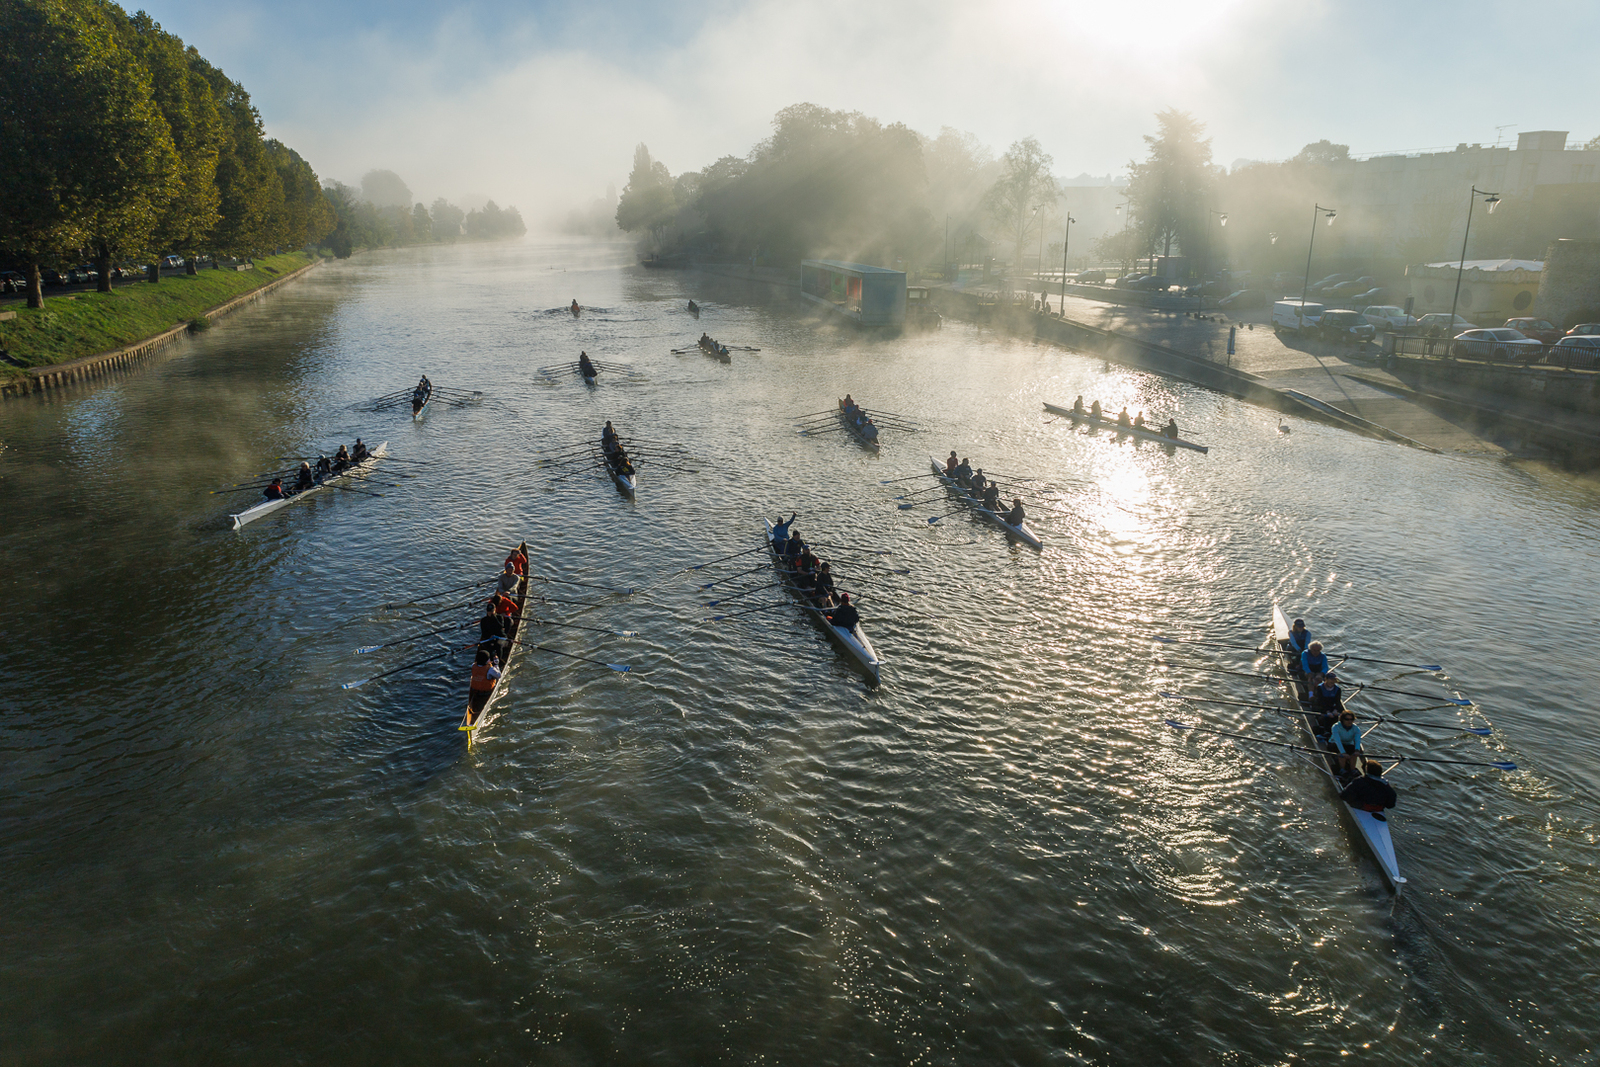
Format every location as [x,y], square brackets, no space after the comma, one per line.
[479,702]
[1374,828]
[716,351]
[1111,424]
[626,482]
[852,642]
[416,408]
[856,431]
[1019,531]
[588,375]
[267,507]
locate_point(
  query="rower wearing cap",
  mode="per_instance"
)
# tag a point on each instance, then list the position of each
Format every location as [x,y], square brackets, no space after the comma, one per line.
[509,579]
[1370,792]
[845,615]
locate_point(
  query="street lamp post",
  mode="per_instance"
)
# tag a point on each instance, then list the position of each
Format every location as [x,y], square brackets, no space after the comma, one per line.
[1065,241]
[1126,217]
[1330,214]
[1491,199]
[1222,217]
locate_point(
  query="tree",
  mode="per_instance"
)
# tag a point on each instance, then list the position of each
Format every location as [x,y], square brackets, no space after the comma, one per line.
[1024,195]
[421,224]
[447,219]
[647,202]
[89,156]
[385,189]
[307,216]
[1170,190]
[1118,246]
[249,190]
[1322,153]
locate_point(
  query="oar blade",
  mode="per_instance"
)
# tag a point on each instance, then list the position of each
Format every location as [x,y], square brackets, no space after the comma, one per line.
[364,649]
[355,685]
[1504,765]
[621,668]
[1176,725]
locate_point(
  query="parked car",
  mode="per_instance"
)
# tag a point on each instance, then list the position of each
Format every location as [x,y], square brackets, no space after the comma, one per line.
[1295,317]
[52,276]
[172,262]
[1151,284]
[1344,289]
[1371,296]
[1091,277]
[1435,323]
[1538,329]
[12,282]
[1244,298]
[1580,352]
[1585,329]
[1501,343]
[1338,325]
[1388,317]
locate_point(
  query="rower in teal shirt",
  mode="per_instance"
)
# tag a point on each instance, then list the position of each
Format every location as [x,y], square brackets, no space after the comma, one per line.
[1313,662]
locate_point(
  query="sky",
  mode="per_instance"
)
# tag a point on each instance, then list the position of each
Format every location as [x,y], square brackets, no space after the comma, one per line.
[540,105]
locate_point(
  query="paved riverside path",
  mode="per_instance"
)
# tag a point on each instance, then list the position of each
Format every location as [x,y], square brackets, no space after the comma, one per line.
[1313,367]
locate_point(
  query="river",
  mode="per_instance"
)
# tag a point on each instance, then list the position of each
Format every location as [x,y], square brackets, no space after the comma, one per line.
[738,852]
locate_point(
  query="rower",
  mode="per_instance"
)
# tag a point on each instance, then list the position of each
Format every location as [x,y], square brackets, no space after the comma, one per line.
[623,464]
[359,452]
[1138,421]
[951,464]
[608,436]
[808,558]
[791,551]
[274,491]
[1016,515]
[991,497]
[341,458]
[1123,420]
[870,430]
[492,630]
[586,366]
[485,672]
[805,576]
[780,533]
[977,482]
[849,402]
[509,579]
[1370,792]
[824,588]
[1077,405]
[1327,700]
[1299,636]
[1170,429]
[304,480]
[963,471]
[517,562]
[1345,737]
[1095,409]
[845,615]
[574,305]
[324,467]
[1313,663]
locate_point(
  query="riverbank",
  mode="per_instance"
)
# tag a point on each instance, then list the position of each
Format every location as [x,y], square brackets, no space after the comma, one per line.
[74,331]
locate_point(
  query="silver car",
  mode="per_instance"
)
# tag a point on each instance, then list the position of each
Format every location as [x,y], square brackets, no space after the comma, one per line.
[1575,351]
[1501,343]
[1387,317]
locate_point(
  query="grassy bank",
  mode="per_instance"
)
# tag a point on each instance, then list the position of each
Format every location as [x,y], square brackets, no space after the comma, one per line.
[82,324]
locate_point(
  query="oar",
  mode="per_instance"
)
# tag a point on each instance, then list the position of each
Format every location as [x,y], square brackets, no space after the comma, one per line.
[442,592]
[586,585]
[620,668]
[1458,702]
[1281,652]
[575,626]
[702,566]
[731,577]
[764,607]
[747,592]
[364,649]
[891,481]
[1479,730]
[1504,765]
[819,433]
[397,670]
[872,567]
[454,606]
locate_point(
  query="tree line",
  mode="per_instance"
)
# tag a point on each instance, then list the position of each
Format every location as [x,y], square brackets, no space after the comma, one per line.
[382,214]
[119,143]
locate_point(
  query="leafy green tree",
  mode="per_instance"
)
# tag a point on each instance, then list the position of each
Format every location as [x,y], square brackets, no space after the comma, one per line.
[1171,189]
[248,187]
[385,189]
[1024,196]
[84,150]
[447,219]
[307,216]
[421,224]
[647,201]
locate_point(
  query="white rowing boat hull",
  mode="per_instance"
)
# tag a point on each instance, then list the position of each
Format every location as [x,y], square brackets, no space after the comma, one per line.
[471,722]
[1111,424]
[1373,830]
[853,642]
[265,508]
[1020,531]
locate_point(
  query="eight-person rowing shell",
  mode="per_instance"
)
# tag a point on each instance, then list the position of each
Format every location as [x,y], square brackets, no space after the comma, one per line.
[307,478]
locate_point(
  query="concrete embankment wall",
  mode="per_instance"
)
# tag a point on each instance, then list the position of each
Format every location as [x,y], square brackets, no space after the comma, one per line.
[88,368]
[1148,356]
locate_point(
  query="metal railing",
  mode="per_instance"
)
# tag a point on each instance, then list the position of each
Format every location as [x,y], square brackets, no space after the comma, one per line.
[1416,345]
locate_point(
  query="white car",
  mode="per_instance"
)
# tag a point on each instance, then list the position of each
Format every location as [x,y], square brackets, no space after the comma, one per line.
[1388,317]
[1500,344]
[1580,350]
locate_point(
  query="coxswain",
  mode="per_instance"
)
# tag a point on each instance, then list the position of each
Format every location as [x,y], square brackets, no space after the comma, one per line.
[849,402]
[1370,792]
[324,467]
[1016,515]
[845,615]
[509,579]
[1138,421]
[951,464]
[1314,663]
[963,470]
[1077,405]
[359,452]
[304,480]
[1299,636]
[1095,410]
[586,366]
[991,497]
[485,672]
[1345,737]
[1170,429]
[274,491]
[780,533]
[1123,420]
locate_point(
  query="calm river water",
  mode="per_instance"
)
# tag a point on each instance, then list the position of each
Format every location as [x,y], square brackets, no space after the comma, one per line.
[738,853]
